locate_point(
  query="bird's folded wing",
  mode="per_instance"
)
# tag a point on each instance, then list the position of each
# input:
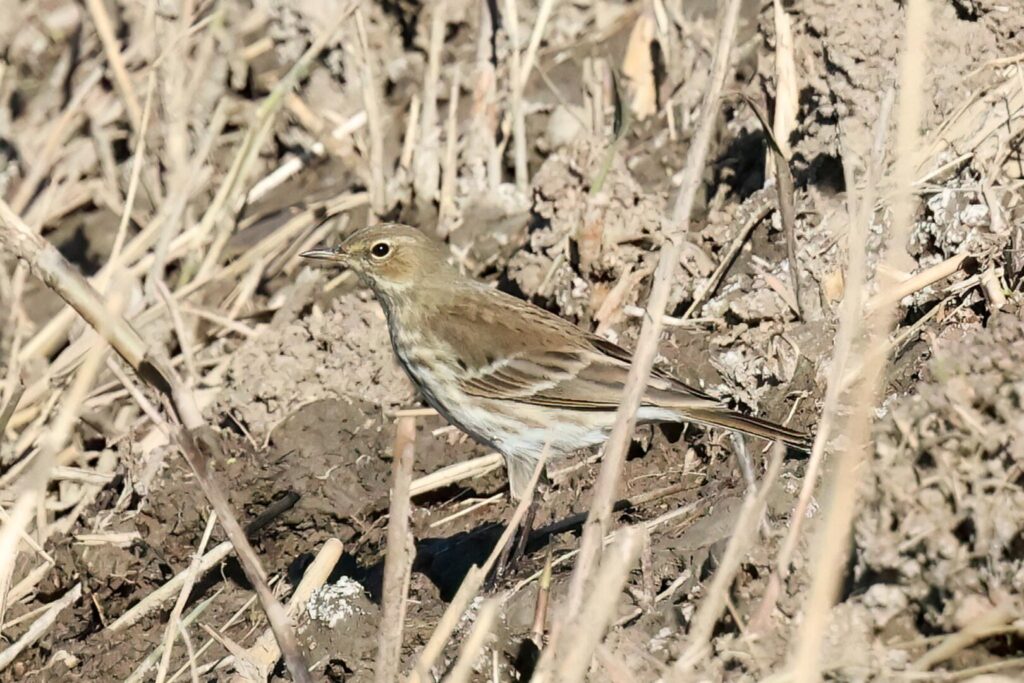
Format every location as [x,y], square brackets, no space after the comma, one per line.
[577,379]
[674,384]
[537,358]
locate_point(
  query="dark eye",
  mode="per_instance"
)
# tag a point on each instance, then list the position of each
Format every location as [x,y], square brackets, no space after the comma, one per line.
[380,250]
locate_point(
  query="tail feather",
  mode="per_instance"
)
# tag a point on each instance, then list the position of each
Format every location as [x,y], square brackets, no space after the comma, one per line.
[754,426]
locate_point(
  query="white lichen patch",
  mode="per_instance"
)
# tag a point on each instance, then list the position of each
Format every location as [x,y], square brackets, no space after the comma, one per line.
[469,616]
[334,602]
[659,642]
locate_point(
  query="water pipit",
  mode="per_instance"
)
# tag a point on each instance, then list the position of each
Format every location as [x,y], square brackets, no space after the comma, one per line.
[510,374]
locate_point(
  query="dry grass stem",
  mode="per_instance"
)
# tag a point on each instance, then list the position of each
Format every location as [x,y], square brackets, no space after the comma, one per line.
[711,284]
[460,471]
[28,584]
[174,159]
[859,215]
[786,192]
[182,332]
[400,554]
[48,264]
[989,282]
[154,600]
[106,32]
[978,628]
[595,616]
[265,653]
[55,271]
[10,537]
[833,541]
[230,189]
[10,406]
[615,448]
[470,586]
[894,292]
[133,184]
[530,57]
[540,609]
[516,95]
[426,164]
[411,131]
[197,445]
[32,494]
[413,412]
[447,218]
[469,653]
[158,231]
[787,87]
[697,153]
[690,511]
[481,503]
[25,537]
[702,624]
[40,626]
[173,622]
[222,662]
[374,119]
[56,137]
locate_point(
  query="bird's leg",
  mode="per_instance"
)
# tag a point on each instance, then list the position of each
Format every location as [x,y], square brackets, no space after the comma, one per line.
[514,550]
[498,571]
[525,529]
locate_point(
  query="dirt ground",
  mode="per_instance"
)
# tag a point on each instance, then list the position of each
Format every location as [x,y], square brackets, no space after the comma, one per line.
[293,365]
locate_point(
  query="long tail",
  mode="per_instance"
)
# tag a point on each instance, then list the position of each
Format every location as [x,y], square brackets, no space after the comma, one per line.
[751,425]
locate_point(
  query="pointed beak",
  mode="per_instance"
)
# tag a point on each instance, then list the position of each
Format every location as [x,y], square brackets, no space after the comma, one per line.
[324,254]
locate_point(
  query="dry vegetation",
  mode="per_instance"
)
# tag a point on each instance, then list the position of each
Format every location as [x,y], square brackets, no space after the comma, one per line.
[208,456]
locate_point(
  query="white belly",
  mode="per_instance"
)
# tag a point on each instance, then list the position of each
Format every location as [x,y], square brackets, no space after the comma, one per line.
[514,429]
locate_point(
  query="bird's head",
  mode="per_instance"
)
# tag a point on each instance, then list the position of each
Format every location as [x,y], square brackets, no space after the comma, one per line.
[391,258]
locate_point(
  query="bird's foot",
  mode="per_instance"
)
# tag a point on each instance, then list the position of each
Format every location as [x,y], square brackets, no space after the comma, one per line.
[515,549]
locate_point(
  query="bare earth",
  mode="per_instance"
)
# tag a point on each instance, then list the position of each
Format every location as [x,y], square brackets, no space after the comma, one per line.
[305,396]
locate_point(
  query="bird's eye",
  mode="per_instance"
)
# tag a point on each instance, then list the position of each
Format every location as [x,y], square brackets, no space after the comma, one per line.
[380,250]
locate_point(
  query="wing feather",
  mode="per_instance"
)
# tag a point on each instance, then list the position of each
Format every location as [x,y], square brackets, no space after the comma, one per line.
[537,358]
[584,379]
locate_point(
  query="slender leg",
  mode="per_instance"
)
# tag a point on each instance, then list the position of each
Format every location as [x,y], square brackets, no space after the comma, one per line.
[514,550]
[520,476]
[503,562]
[523,537]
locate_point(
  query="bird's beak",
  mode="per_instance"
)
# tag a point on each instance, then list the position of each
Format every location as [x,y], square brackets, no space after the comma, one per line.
[324,254]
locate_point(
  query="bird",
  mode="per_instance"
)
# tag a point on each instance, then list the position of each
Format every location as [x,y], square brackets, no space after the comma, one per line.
[508,373]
